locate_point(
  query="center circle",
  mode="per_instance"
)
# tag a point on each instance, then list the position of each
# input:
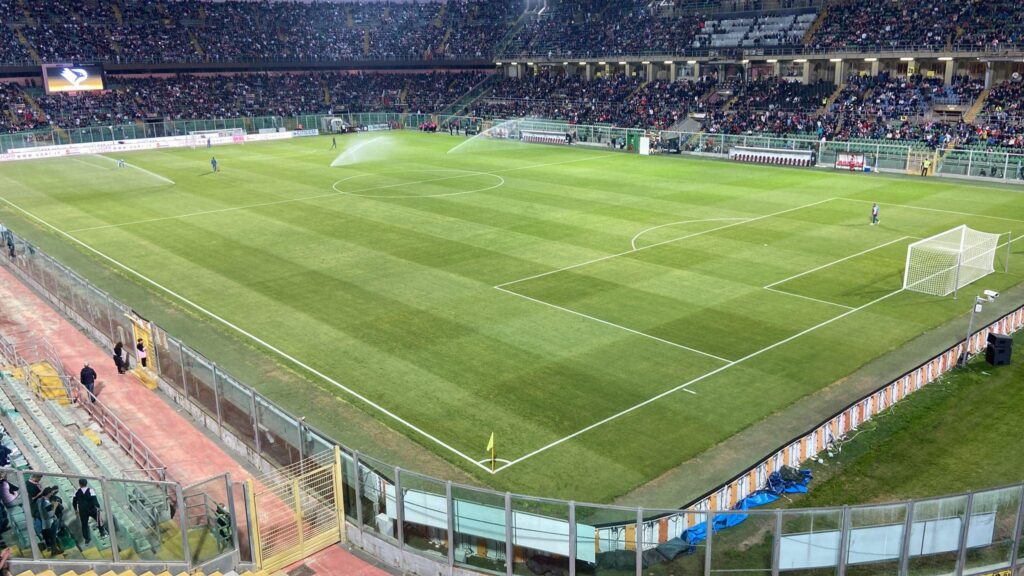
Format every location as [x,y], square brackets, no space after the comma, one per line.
[429,176]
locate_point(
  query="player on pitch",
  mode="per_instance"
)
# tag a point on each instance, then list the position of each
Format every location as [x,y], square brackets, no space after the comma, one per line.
[874,214]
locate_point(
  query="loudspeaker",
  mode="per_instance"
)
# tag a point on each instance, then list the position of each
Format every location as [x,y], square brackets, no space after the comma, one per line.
[1000,349]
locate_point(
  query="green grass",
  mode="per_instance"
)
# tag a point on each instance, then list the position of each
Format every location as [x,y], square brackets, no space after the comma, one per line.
[959,434]
[388,286]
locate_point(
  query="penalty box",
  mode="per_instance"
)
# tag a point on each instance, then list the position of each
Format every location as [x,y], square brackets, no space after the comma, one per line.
[732,290]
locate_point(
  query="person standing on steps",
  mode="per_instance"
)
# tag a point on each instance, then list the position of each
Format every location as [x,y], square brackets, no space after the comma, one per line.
[140,346]
[88,379]
[87,505]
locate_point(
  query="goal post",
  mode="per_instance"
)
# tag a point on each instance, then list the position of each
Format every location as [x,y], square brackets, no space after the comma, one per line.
[944,263]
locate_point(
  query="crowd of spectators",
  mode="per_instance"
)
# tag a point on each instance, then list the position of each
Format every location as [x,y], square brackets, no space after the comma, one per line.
[1001,122]
[186,97]
[868,24]
[244,31]
[616,99]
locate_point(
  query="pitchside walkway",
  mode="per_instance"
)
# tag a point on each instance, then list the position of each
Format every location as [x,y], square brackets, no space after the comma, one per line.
[188,453]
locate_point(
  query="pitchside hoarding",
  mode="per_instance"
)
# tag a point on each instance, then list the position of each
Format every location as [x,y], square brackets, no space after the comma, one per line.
[73,77]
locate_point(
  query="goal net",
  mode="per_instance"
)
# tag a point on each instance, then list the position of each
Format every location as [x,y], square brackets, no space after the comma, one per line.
[949,261]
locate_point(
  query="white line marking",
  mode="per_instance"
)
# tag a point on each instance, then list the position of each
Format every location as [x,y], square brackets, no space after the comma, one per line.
[614,325]
[648,247]
[140,169]
[470,173]
[318,196]
[795,295]
[249,335]
[632,243]
[936,209]
[685,385]
[834,262]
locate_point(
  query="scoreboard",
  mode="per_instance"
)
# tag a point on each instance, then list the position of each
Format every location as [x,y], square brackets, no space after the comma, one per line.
[73,77]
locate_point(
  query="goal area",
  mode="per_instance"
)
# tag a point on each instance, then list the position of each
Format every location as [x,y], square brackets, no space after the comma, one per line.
[944,263]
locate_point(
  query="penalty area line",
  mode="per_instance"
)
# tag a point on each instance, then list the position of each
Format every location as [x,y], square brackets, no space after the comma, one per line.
[251,336]
[614,325]
[686,385]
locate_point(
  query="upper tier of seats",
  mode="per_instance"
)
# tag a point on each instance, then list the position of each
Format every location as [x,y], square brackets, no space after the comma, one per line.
[192,31]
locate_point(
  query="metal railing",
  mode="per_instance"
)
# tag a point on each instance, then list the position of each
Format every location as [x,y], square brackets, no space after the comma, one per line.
[413,519]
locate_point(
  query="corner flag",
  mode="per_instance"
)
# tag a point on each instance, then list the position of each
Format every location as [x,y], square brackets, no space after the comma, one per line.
[490,448]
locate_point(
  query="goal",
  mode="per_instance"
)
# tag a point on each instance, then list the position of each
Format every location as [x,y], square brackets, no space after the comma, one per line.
[946,262]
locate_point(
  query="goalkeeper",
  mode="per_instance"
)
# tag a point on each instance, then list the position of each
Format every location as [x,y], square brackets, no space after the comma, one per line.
[874,214]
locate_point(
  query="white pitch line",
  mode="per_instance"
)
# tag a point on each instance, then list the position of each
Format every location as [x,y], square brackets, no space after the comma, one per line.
[685,385]
[614,325]
[632,242]
[795,295]
[249,335]
[935,210]
[321,196]
[648,247]
[139,168]
[834,262]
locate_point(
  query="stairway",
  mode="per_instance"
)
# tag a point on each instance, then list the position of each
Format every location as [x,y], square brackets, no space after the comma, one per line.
[832,99]
[977,107]
[815,25]
[28,45]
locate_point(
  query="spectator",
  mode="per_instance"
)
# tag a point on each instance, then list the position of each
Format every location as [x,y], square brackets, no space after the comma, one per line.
[88,379]
[87,506]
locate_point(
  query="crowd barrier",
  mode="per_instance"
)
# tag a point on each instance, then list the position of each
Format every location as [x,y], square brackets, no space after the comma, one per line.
[426,524]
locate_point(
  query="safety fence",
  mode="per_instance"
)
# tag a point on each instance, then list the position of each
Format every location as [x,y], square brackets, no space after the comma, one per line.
[409,519]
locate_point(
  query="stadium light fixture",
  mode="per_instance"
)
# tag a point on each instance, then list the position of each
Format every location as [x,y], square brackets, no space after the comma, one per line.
[744,61]
[583,63]
[622,63]
[529,63]
[645,62]
[602,63]
[835,59]
[668,62]
[497,63]
[800,60]
[871,59]
[772,61]
[514,63]
[946,59]
[691,61]
[905,59]
[565,63]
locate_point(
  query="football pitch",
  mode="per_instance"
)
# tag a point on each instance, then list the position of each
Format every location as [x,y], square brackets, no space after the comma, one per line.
[607,316]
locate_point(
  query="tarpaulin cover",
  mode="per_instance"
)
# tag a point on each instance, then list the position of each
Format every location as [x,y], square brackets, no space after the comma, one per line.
[789,481]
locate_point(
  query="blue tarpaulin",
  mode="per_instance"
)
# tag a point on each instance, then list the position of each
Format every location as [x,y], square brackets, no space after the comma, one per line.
[776,485]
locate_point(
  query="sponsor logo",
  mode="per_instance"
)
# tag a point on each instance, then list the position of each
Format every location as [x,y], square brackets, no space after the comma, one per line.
[74,76]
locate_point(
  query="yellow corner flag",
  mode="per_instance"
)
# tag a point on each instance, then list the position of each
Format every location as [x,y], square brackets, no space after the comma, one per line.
[490,448]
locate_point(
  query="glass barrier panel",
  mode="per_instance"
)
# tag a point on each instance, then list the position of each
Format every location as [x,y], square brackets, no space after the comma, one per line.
[540,536]
[935,535]
[146,521]
[209,519]
[18,525]
[314,443]
[348,484]
[990,530]
[241,522]
[875,540]
[236,408]
[199,381]
[743,542]
[673,543]
[606,541]
[377,498]
[809,542]
[168,350]
[425,515]
[279,434]
[57,518]
[479,521]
